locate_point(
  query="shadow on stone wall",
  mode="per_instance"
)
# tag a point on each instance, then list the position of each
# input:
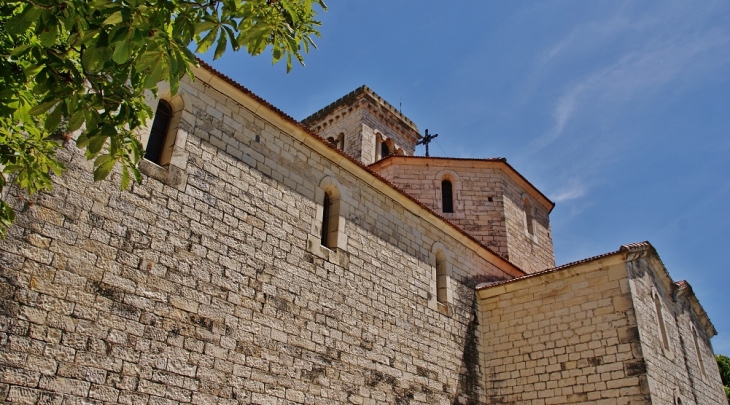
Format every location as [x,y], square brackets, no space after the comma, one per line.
[468,393]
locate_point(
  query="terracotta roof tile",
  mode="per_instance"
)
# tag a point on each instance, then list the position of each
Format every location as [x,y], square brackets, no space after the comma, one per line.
[630,247]
[636,247]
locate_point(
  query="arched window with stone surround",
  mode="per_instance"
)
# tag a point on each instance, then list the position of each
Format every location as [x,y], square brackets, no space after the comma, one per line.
[446,189]
[700,362]
[441,294]
[447,196]
[341,141]
[384,150]
[529,217]
[159,133]
[330,218]
[327,229]
[660,321]
[165,129]
[442,278]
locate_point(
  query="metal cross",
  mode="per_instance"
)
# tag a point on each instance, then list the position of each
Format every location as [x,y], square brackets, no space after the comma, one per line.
[426,140]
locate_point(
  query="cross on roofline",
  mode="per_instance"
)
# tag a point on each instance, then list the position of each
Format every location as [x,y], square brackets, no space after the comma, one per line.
[426,140]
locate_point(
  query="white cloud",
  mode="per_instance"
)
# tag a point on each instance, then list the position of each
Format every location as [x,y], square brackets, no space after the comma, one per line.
[575,188]
[661,54]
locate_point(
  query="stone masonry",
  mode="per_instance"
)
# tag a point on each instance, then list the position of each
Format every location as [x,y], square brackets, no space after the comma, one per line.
[682,370]
[215,281]
[365,119]
[201,287]
[585,333]
[488,203]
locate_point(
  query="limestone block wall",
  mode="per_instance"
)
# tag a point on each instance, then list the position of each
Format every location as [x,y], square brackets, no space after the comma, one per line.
[488,205]
[204,287]
[390,128]
[347,120]
[532,252]
[674,370]
[477,197]
[366,120]
[564,337]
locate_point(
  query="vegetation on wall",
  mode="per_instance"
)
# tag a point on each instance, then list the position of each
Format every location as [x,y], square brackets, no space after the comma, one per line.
[86,64]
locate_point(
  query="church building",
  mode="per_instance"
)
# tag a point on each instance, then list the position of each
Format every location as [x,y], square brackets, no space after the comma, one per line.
[265,260]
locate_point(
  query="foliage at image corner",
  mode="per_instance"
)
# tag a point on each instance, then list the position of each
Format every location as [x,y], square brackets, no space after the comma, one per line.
[723,363]
[70,65]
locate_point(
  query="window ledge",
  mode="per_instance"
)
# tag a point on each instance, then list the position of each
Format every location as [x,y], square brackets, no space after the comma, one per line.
[171,175]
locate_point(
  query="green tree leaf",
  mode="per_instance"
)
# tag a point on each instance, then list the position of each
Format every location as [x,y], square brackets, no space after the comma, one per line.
[221,47]
[54,118]
[21,22]
[43,107]
[102,171]
[48,36]
[122,52]
[76,121]
[85,65]
[113,19]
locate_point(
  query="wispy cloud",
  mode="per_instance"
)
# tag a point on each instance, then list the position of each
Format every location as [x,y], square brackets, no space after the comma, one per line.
[589,35]
[661,55]
[634,74]
[575,188]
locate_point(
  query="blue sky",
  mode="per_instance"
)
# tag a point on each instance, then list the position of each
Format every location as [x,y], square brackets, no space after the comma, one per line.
[618,111]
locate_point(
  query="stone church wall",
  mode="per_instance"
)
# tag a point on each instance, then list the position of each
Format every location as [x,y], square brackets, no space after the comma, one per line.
[498,224]
[532,252]
[472,189]
[675,372]
[202,288]
[348,121]
[383,123]
[564,337]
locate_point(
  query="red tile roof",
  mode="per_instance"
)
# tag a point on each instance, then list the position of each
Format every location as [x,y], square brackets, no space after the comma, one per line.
[631,247]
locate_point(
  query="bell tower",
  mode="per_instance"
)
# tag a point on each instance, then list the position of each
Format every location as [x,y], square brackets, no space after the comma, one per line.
[365,127]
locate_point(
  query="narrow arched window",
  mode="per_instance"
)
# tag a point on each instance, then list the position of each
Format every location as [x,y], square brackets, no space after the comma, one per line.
[384,150]
[447,196]
[699,353]
[529,217]
[341,141]
[158,134]
[660,320]
[326,211]
[441,279]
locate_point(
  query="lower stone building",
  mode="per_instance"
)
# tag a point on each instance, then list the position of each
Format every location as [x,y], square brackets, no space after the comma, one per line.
[609,329]
[269,261]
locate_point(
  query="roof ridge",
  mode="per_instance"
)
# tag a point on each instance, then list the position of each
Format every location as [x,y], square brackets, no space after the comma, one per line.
[636,246]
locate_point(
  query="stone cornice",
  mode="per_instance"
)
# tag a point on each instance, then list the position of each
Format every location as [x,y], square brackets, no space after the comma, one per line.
[364,97]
